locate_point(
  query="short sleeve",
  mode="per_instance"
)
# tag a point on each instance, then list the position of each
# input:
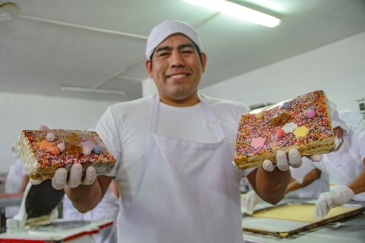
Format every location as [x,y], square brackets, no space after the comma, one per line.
[107,129]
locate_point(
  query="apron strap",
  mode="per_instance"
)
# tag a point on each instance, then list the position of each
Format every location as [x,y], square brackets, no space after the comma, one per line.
[214,122]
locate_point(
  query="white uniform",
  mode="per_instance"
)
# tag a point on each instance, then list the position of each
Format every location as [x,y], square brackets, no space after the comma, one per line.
[174,170]
[108,208]
[312,190]
[13,184]
[345,164]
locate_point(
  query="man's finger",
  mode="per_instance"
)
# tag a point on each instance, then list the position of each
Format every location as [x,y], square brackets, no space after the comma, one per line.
[59,179]
[316,157]
[75,176]
[282,161]
[268,165]
[43,128]
[90,176]
[295,159]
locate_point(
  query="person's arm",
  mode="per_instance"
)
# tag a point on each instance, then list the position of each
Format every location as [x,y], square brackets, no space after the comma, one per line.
[271,180]
[313,175]
[269,186]
[358,184]
[85,197]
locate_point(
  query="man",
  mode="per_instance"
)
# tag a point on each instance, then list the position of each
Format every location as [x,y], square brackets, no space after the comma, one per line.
[174,154]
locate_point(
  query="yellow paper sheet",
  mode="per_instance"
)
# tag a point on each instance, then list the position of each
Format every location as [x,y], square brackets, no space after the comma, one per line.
[298,212]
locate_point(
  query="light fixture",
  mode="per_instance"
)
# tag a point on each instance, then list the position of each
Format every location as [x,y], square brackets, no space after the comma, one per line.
[237,11]
[8,11]
[91,90]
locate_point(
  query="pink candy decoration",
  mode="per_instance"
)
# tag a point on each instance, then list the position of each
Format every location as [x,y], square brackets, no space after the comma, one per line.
[311,113]
[279,133]
[258,142]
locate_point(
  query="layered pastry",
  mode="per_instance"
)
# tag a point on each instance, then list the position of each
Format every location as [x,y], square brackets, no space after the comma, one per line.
[43,152]
[303,122]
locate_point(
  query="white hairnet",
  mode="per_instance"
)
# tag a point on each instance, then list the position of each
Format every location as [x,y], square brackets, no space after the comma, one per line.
[338,122]
[165,29]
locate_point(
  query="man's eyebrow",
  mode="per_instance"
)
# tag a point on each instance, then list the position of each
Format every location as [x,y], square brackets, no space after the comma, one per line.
[182,46]
[186,45]
[163,48]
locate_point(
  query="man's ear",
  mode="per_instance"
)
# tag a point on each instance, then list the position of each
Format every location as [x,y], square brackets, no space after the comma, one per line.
[149,68]
[203,58]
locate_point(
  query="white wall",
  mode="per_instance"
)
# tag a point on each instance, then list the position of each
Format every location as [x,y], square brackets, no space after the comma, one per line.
[20,112]
[338,69]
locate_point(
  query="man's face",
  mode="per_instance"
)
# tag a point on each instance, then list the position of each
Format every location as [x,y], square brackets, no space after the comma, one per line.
[176,68]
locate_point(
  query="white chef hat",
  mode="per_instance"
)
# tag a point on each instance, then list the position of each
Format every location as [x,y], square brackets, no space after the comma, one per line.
[338,122]
[165,29]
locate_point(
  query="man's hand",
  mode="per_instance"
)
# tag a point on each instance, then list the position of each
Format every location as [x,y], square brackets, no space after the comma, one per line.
[334,198]
[283,162]
[60,180]
[250,200]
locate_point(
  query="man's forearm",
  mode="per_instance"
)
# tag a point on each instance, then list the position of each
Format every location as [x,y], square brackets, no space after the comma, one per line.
[271,186]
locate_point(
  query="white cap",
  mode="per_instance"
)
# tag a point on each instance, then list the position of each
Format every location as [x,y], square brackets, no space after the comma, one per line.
[165,29]
[338,122]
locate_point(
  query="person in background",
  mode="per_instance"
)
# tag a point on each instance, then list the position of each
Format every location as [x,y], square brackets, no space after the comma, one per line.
[306,182]
[174,153]
[345,165]
[108,208]
[16,181]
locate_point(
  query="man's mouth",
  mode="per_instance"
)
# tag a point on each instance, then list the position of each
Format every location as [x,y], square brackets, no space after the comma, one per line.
[177,76]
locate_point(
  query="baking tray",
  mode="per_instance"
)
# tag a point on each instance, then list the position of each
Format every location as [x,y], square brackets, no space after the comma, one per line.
[284,228]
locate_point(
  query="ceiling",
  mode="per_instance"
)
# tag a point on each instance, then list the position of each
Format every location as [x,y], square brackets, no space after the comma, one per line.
[100,44]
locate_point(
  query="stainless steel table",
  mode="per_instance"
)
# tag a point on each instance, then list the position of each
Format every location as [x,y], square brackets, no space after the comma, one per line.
[346,230]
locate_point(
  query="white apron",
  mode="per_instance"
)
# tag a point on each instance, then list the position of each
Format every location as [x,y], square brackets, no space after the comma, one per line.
[186,191]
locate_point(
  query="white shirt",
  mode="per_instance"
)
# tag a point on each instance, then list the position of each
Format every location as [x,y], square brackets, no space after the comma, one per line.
[124,128]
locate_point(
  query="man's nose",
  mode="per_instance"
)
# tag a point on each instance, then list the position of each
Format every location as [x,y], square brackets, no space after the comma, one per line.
[176,60]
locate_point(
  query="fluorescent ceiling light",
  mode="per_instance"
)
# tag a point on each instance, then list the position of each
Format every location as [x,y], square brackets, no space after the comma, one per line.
[90,90]
[237,11]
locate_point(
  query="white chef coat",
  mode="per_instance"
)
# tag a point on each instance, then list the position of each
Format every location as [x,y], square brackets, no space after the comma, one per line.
[13,184]
[312,190]
[346,163]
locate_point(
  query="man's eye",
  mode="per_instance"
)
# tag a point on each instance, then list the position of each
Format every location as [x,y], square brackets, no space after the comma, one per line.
[163,54]
[187,51]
